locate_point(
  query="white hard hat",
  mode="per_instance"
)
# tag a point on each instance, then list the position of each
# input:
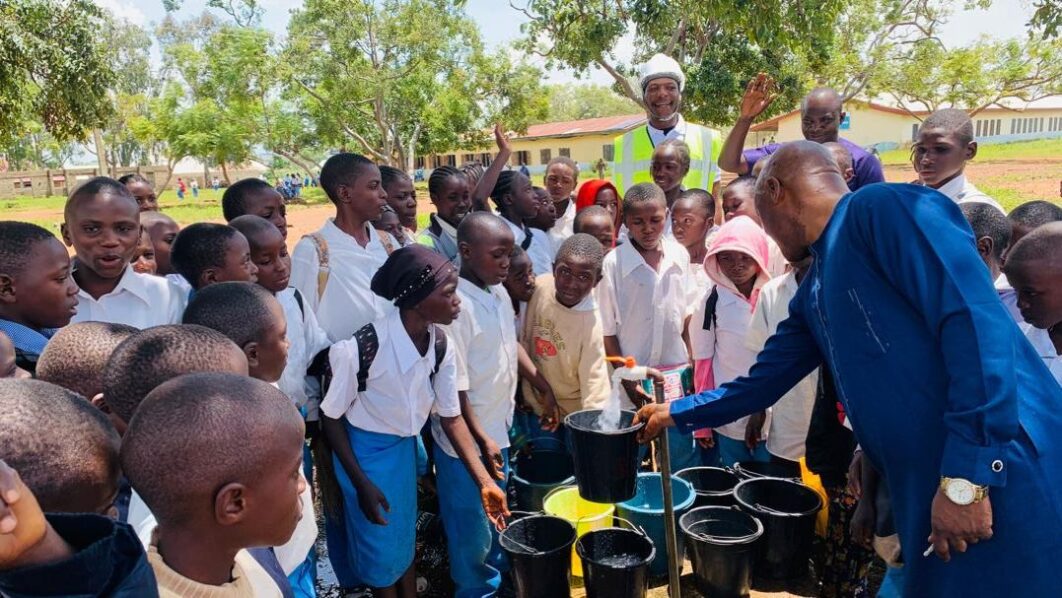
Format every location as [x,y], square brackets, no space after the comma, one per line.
[658,66]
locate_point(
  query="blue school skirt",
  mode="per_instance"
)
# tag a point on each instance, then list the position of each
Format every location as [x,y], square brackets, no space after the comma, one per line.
[380,554]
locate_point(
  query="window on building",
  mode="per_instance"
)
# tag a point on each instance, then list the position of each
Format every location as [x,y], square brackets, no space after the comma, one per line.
[486,158]
[977,128]
[468,158]
[1013,124]
[544,156]
[608,152]
[999,126]
[418,162]
[523,157]
[565,151]
[914,131]
[451,159]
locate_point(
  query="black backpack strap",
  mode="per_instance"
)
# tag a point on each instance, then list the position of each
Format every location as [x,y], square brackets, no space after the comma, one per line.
[709,309]
[368,345]
[440,352]
[302,306]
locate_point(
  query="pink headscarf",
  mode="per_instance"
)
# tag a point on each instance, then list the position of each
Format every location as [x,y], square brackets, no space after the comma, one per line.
[744,235]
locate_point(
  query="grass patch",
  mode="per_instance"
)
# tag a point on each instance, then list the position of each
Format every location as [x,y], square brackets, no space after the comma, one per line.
[1050,149]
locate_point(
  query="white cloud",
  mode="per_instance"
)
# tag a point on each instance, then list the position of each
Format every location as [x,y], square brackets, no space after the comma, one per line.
[127,9]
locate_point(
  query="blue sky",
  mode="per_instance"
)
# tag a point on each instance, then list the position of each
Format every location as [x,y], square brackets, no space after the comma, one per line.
[500,24]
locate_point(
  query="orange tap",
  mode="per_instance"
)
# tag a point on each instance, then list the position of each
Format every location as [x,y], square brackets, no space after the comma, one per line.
[627,362]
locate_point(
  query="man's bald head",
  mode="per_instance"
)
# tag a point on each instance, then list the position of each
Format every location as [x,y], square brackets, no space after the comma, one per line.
[795,194]
[825,97]
[821,113]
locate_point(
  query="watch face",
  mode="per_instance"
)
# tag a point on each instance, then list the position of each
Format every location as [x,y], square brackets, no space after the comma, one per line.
[961,492]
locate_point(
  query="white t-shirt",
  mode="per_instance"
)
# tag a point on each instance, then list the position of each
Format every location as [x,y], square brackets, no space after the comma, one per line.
[484,341]
[961,191]
[305,340]
[348,303]
[1009,297]
[647,309]
[540,250]
[791,415]
[724,344]
[399,392]
[139,300]
[563,227]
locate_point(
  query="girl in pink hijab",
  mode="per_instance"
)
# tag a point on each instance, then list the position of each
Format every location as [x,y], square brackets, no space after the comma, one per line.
[737,265]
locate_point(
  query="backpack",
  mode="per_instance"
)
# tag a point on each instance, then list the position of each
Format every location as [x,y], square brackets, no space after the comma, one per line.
[368,345]
[709,309]
[323,267]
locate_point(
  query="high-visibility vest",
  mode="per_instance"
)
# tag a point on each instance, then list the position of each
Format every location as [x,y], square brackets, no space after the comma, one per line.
[633,153]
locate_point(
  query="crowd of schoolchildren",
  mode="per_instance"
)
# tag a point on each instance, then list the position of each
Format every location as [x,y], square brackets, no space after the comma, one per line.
[182,373]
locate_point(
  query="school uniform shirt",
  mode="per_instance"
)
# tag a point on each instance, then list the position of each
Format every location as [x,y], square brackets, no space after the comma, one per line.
[1009,297]
[725,345]
[644,308]
[400,391]
[961,190]
[563,227]
[776,262]
[484,341]
[347,303]
[568,348]
[28,343]
[867,167]
[139,300]
[306,339]
[181,283]
[791,415]
[441,238]
[540,250]
[1041,341]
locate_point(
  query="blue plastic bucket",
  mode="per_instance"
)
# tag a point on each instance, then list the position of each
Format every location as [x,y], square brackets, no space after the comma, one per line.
[646,510]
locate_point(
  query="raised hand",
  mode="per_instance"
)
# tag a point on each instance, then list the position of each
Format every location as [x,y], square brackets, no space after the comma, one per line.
[759,94]
[501,139]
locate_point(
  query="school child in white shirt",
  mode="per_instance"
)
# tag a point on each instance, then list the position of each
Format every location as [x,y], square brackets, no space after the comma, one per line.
[102,223]
[515,197]
[386,381]
[736,263]
[205,253]
[1034,268]
[487,364]
[645,297]
[332,268]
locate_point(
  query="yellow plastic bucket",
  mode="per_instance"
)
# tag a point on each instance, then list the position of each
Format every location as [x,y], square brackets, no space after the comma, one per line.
[565,502]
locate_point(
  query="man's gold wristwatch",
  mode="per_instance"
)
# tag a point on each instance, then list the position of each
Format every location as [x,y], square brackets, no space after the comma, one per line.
[962,492]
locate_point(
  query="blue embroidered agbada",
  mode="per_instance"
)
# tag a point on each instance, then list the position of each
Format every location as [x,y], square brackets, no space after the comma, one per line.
[936,379]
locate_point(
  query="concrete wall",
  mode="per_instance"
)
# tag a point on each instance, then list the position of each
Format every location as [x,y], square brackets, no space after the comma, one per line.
[586,150]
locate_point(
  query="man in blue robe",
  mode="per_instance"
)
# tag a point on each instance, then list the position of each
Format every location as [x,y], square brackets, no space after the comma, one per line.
[946,397]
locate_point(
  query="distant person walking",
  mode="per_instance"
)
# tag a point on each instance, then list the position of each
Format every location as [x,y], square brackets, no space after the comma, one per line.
[181,189]
[195,188]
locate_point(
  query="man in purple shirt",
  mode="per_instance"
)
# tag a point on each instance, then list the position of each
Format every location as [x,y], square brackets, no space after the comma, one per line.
[821,114]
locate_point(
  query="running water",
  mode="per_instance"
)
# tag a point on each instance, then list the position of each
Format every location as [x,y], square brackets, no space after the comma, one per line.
[609,419]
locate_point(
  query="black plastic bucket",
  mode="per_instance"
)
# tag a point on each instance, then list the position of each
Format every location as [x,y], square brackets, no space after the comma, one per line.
[748,470]
[539,471]
[787,510]
[606,463]
[539,549]
[615,562]
[714,485]
[721,543]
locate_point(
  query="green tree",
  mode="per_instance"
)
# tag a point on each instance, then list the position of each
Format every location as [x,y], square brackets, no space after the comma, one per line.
[720,43]
[574,102]
[53,71]
[1047,17]
[394,78]
[975,77]
[128,47]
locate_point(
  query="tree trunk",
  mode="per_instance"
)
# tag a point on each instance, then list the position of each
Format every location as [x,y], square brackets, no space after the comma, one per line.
[101,151]
[225,173]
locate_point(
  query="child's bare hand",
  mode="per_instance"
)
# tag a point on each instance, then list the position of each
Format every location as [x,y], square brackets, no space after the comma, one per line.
[494,504]
[370,499]
[636,393]
[706,443]
[754,428]
[501,139]
[551,412]
[493,459]
[22,524]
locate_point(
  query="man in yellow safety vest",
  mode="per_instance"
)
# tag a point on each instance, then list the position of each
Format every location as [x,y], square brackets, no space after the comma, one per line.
[662,83]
